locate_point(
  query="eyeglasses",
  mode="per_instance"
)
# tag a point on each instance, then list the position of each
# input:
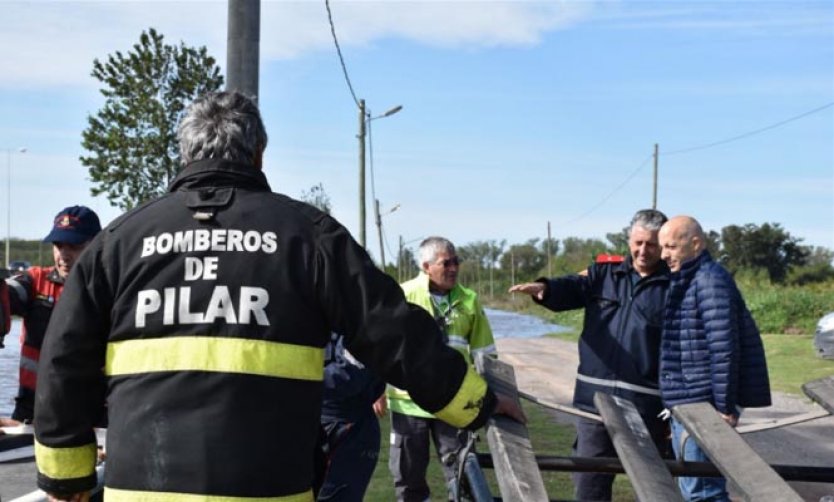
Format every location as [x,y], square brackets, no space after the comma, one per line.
[448,262]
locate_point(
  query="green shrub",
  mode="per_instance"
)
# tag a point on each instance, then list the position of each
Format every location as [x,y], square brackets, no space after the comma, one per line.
[788,309]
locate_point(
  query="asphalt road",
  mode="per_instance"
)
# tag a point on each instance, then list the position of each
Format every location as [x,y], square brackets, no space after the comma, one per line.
[546,367]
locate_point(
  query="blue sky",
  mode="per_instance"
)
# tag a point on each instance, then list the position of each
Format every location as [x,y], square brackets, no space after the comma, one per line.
[514,113]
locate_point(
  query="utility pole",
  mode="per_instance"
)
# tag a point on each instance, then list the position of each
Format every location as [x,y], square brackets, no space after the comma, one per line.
[361,137]
[400,261]
[654,192]
[243,47]
[549,252]
[379,231]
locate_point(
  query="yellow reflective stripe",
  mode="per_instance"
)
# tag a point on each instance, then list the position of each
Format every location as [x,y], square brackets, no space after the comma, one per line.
[116,495]
[465,406]
[225,355]
[66,463]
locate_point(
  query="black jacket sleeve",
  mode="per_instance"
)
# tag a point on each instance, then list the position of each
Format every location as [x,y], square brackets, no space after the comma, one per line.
[399,341]
[71,383]
[568,292]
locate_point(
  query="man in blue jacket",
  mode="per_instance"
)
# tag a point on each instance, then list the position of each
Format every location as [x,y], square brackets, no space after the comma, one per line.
[620,342]
[711,349]
[349,423]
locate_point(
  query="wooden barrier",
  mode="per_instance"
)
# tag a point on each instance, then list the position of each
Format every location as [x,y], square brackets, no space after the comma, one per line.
[518,469]
[519,478]
[821,391]
[732,455]
[635,447]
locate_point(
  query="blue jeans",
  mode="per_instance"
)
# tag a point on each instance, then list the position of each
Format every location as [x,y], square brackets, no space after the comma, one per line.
[352,452]
[700,489]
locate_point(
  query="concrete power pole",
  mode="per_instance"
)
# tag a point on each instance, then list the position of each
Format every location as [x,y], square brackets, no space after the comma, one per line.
[361,137]
[243,47]
[549,252]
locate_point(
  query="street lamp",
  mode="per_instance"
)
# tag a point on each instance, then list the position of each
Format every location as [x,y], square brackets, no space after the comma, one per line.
[9,152]
[379,229]
[365,117]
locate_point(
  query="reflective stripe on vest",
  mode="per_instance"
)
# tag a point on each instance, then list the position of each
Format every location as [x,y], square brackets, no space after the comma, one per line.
[465,406]
[225,355]
[618,384]
[66,463]
[116,495]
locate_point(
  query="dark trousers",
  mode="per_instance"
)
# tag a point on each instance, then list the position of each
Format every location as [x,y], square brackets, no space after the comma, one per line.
[410,454]
[592,440]
[352,449]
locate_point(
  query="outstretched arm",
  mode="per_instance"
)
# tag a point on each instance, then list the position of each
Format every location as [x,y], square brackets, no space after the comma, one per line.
[534,289]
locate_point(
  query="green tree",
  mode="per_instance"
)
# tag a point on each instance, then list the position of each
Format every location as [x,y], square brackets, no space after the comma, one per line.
[713,241]
[132,138]
[768,247]
[317,197]
[619,241]
[819,267]
[526,258]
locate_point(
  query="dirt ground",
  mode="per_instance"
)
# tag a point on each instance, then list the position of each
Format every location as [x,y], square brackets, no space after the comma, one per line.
[546,367]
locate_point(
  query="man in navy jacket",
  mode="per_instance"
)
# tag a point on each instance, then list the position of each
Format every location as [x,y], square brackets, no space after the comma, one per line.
[350,426]
[620,343]
[711,349]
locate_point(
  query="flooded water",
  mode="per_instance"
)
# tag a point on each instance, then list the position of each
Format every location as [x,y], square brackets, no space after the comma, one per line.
[512,325]
[504,325]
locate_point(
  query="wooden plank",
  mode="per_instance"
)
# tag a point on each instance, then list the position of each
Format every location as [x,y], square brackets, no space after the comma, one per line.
[636,449]
[518,474]
[821,391]
[732,455]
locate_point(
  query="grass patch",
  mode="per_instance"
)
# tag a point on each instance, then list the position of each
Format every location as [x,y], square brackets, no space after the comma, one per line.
[548,438]
[791,361]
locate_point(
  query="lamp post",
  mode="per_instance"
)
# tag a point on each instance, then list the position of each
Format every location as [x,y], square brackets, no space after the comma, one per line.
[9,152]
[379,230]
[363,118]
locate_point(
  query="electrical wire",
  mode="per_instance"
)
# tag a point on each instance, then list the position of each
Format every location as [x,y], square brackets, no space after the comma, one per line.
[700,147]
[339,52]
[610,194]
[748,134]
[385,242]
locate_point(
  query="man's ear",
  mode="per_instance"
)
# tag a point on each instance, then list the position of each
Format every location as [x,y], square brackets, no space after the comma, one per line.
[425,266]
[697,243]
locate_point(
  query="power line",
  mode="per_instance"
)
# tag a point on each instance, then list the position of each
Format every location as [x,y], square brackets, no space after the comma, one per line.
[700,147]
[610,194]
[751,133]
[339,52]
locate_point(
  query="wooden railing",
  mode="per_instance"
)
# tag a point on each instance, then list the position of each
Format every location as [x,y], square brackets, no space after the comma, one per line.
[518,469]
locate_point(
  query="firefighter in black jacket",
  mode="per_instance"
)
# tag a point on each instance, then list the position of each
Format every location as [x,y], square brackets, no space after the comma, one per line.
[201,317]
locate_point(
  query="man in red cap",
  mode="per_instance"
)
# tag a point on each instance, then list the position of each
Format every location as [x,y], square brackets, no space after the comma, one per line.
[32,295]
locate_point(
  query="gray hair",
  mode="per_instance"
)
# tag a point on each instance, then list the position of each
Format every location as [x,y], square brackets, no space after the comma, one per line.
[650,219]
[433,245]
[221,125]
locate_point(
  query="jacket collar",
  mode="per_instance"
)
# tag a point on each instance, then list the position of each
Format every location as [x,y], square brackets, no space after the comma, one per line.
[54,276]
[627,266]
[689,267]
[219,173]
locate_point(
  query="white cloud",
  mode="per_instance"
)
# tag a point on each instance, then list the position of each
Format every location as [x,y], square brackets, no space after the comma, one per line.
[53,44]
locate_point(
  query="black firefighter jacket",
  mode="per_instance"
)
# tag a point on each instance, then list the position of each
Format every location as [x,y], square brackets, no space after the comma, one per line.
[201,319]
[619,349]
